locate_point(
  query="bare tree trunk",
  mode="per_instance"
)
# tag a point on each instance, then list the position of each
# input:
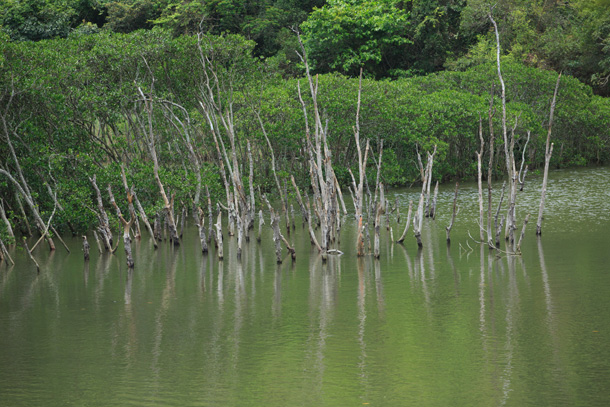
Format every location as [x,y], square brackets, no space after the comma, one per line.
[129,192]
[277,234]
[218,227]
[5,253]
[201,228]
[210,215]
[480,183]
[261,222]
[9,229]
[527,217]
[97,240]
[418,220]
[407,223]
[433,206]
[149,133]
[27,249]
[126,225]
[547,160]
[490,169]
[104,226]
[22,210]
[21,184]
[454,213]
[275,225]
[498,226]
[85,248]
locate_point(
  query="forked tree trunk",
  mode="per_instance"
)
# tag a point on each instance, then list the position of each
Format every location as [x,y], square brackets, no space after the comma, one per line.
[201,228]
[104,226]
[547,160]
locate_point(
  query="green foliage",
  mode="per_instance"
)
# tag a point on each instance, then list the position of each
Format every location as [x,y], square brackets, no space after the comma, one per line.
[345,35]
[569,36]
[77,112]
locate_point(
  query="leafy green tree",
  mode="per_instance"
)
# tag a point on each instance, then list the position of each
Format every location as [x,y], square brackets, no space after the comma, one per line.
[345,35]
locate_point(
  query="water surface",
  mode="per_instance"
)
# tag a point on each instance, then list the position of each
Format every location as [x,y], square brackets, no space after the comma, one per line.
[446,325]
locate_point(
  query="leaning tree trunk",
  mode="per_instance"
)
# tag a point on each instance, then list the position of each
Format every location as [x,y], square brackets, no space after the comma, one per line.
[150,136]
[104,226]
[9,229]
[21,184]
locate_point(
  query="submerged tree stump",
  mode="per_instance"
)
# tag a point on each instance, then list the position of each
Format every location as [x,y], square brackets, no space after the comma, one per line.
[85,248]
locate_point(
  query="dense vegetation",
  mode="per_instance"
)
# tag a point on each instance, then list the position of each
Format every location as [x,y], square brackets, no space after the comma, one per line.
[70,105]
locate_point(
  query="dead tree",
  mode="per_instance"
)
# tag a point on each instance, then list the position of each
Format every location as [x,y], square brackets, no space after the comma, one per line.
[454,213]
[358,188]
[419,216]
[490,115]
[140,211]
[218,227]
[27,249]
[4,253]
[325,199]
[200,216]
[511,169]
[85,248]
[379,211]
[547,159]
[407,223]
[278,238]
[306,215]
[126,225]
[149,134]
[216,99]
[19,181]
[102,216]
[9,229]
[480,182]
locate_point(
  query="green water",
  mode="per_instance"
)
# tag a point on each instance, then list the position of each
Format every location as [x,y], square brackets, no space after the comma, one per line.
[444,326]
